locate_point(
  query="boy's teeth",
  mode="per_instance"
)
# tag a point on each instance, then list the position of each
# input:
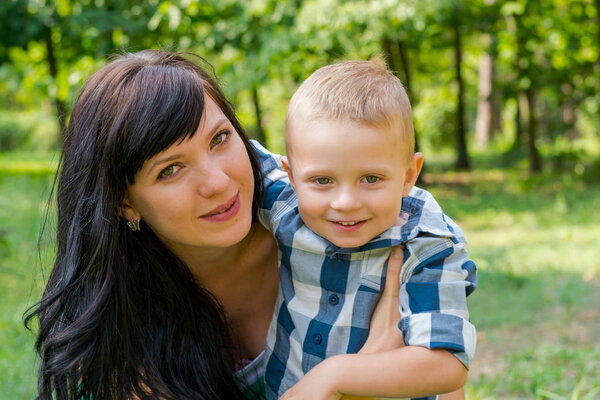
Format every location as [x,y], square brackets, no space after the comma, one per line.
[346,223]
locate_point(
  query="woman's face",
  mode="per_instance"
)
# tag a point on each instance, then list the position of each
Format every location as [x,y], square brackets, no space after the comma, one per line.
[198,193]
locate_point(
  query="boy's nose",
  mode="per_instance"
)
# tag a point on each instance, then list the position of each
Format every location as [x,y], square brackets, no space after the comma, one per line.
[345,200]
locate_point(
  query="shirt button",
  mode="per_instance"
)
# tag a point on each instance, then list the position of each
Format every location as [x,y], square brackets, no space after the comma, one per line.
[317,339]
[334,299]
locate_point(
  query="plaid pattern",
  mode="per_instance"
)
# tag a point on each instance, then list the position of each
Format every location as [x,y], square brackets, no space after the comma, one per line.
[251,378]
[327,294]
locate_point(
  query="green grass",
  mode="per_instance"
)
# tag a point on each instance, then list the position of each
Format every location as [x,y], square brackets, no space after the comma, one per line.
[22,199]
[534,239]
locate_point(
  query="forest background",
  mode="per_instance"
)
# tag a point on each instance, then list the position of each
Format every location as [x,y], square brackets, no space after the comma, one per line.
[506,99]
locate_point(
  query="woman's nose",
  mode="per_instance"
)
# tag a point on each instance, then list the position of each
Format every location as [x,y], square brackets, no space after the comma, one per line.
[211,180]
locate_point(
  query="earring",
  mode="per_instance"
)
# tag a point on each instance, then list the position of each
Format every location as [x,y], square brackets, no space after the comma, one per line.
[134,224]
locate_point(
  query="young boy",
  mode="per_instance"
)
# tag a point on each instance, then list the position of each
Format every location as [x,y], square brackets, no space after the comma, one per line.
[352,166]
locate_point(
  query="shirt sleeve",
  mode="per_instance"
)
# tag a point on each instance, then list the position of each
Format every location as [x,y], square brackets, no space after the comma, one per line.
[436,278]
[276,185]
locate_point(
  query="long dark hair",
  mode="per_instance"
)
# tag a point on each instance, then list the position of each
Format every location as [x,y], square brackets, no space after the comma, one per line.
[121,316]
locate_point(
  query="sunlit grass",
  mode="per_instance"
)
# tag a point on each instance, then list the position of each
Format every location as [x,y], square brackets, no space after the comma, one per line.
[563,372]
[535,241]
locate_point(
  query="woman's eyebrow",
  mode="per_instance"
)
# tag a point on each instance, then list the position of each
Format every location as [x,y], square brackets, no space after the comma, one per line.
[160,161]
[218,124]
[172,157]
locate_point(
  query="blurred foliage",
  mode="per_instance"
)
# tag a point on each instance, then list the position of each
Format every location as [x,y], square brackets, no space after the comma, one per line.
[31,130]
[533,236]
[262,49]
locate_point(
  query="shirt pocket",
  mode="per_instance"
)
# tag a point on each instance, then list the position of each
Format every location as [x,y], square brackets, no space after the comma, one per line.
[372,268]
[371,282]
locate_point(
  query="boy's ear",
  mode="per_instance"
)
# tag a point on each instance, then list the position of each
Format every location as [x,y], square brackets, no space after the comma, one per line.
[412,173]
[127,211]
[286,165]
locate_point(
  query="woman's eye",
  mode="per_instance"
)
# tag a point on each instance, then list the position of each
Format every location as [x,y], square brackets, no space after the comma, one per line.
[221,137]
[323,181]
[371,179]
[169,171]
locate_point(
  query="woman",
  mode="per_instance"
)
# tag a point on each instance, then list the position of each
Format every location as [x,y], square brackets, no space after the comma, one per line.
[140,312]
[164,282]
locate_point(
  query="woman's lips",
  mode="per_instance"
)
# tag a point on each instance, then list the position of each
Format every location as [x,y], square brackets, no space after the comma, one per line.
[225,211]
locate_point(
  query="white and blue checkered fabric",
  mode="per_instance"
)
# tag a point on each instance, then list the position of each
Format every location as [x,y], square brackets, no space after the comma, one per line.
[327,294]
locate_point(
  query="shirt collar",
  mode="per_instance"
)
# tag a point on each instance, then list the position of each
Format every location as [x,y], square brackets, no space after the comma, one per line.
[420,214]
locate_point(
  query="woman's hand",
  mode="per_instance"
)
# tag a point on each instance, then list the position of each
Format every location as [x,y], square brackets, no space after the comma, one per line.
[383,330]
[384,335]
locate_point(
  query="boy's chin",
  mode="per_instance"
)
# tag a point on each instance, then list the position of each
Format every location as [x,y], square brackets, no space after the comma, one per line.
[348,242]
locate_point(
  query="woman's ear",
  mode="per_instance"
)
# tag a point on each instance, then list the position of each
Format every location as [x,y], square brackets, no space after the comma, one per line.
[288,169]
[412,173]
[127,211]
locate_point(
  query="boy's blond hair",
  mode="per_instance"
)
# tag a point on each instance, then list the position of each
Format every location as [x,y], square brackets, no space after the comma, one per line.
[364,92]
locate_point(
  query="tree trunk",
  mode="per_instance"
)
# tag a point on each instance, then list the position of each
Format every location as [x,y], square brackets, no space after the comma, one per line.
[407,82]
[488,109]
[598,21]
[393,58]
[598,39]
[462,161]
[569,119]
[260,132]
[386,46]
[61,107]
[527,109]
[518,127]
[483,124]
[405,68]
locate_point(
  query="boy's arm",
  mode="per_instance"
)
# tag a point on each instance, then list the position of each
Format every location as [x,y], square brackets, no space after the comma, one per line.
[437,277]
[410,371]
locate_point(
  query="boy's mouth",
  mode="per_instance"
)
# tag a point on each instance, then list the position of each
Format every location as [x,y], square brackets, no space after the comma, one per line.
[348,226]
[347,223]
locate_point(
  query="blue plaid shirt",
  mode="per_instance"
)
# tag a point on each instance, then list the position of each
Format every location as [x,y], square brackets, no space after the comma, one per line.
[327,294]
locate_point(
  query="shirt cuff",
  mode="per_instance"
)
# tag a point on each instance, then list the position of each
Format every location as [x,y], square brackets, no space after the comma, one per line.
[441,331]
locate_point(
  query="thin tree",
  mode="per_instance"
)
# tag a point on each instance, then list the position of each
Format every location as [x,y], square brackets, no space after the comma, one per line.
[462,160]
[260,131]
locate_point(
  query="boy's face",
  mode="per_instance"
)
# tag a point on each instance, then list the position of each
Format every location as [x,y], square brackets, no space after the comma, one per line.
[349,178]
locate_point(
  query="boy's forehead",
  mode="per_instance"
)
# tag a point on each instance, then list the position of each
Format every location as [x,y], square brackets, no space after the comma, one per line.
[317,140]
[308,133]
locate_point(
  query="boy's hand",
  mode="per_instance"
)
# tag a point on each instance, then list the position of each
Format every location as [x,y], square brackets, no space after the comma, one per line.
[383,330]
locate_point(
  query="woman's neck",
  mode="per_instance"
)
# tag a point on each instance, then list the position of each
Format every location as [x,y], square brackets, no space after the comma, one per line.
[244,279]
[216,263]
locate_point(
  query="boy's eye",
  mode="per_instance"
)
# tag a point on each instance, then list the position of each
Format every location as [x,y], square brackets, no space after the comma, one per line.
[219,138]
[323,181]
[371,179]
[169,171]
